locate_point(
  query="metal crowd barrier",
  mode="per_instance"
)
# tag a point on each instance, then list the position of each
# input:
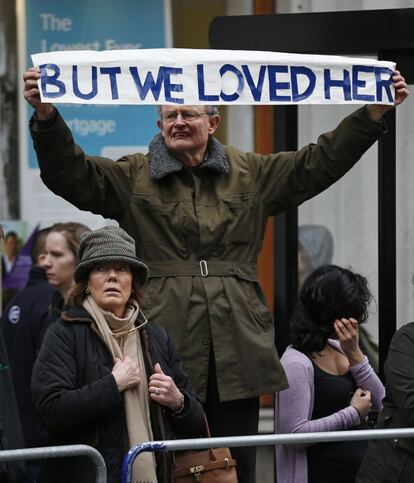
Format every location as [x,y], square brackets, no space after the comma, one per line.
[261,440]
[59,452]
[199,443]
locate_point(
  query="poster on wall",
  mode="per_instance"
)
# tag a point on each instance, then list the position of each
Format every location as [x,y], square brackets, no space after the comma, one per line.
[110,131]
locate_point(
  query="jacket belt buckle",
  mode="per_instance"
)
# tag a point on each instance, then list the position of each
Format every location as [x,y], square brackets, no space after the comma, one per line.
[203,268]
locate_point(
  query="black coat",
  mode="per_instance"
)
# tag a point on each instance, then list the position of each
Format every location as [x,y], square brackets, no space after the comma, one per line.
[24,323]
[11,435]
[79,401]
[392,460]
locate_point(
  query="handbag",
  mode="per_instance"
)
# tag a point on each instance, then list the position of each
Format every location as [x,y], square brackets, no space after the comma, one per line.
[214,465]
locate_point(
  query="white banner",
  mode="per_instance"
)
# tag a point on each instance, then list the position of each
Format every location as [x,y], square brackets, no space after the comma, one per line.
[189,76]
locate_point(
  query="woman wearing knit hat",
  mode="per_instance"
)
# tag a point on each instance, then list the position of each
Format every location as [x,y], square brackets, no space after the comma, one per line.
[105,376]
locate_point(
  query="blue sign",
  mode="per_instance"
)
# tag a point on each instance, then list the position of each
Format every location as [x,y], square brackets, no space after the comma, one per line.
[98,25]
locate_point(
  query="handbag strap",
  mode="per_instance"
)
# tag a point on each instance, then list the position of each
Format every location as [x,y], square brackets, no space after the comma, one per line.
[207,434]
[206,426]
[226,464]
[213,456]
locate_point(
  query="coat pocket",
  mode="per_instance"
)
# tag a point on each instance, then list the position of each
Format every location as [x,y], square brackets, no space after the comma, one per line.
[257,304]
[157,221]
[238,213]
[389,419]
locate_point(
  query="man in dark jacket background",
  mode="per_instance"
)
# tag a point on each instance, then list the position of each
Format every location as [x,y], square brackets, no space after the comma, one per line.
[23,323]
[392,460]
[11,436]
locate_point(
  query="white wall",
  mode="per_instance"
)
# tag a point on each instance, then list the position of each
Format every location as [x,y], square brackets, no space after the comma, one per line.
[240,119]
[349,208]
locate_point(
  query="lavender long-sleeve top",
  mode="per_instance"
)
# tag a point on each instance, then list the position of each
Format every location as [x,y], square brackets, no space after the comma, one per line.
[294,407]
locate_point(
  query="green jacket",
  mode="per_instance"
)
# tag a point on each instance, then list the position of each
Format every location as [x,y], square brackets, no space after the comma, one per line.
[217,213]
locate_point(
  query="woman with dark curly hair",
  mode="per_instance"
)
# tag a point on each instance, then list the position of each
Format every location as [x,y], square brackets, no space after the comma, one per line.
[331,383]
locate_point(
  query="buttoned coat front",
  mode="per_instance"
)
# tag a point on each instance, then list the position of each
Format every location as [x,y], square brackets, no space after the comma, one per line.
[78,400]
[216,212]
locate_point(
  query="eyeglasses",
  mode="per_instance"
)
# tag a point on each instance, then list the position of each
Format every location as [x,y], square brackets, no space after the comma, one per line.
[188,116]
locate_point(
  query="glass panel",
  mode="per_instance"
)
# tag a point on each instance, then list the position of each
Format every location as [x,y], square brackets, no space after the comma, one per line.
[405,204]
[340,225]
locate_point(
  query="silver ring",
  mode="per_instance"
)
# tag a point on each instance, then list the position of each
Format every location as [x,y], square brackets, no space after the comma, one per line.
[157,391]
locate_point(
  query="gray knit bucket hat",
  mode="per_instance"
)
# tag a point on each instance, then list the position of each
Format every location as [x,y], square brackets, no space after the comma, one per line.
[109,244]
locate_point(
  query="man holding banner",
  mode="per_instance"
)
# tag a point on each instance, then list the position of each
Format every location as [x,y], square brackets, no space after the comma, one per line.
[198,212]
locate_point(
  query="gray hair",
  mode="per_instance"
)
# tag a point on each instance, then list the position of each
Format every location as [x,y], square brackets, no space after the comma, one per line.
[210,110]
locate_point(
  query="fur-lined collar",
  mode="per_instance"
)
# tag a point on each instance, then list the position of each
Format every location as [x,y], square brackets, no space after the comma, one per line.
[163,162]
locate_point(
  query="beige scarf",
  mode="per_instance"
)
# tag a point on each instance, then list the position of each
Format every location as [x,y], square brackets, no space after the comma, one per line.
[122,339]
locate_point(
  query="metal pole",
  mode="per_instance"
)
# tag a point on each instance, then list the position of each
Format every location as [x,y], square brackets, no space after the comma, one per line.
[58,452]
[1,267]
[134,452]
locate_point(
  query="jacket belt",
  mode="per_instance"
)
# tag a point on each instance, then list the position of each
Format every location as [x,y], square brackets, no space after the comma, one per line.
[203,268]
